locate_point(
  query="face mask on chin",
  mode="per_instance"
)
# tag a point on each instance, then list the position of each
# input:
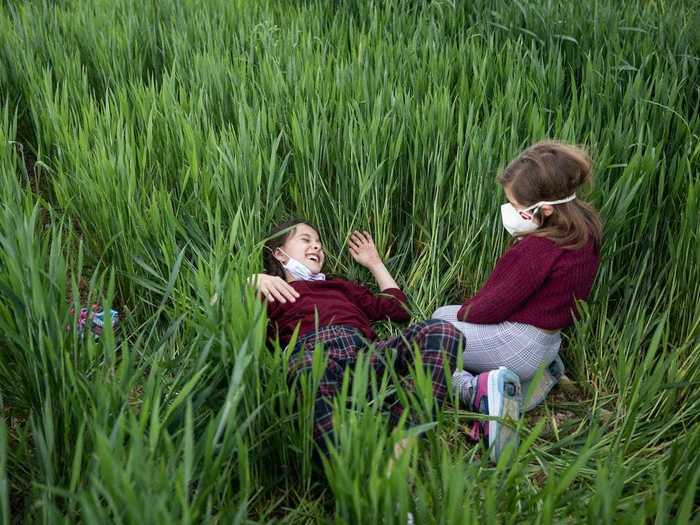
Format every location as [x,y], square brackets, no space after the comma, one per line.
[522,222]
[300,271]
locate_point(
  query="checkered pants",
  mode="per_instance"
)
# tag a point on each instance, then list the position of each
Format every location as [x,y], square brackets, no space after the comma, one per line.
[521,347]
[436,341]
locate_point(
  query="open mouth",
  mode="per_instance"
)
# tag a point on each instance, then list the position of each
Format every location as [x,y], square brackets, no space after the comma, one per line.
[314,258]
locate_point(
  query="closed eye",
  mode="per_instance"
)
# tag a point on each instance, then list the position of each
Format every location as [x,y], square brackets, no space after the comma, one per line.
[307,239]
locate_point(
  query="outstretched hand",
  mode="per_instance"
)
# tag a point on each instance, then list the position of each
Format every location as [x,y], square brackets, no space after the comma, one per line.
[362,248]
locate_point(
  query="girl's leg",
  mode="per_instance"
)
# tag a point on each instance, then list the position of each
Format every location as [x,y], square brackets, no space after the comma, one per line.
[447,313]
[438,343]
[520,347]
[340,348]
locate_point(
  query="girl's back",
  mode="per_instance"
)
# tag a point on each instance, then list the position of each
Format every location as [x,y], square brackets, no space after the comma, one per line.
[535,282]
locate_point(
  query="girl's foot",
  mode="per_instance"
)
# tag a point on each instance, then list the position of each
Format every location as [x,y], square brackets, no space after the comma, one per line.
[551,376]
[498,395]
[465,385]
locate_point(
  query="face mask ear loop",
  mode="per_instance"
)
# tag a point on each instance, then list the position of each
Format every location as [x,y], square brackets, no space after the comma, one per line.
[532,210]
[536,207]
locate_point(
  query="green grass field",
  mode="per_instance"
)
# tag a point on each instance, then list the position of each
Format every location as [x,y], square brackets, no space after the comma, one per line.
[145,149]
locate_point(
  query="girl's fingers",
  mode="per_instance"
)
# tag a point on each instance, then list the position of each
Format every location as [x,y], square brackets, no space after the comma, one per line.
[283,291]
[359,238]
[294,292]
[278,295]
[276,288]
[284,285]
[289,293]
[369,237]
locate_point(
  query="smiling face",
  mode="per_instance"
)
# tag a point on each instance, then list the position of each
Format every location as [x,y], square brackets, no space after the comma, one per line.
[304,245]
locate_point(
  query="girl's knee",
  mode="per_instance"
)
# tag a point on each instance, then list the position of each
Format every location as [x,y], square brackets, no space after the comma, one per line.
[451,339]
[446,313]
[439,313]
[300,363]
[441,326]
[303,363]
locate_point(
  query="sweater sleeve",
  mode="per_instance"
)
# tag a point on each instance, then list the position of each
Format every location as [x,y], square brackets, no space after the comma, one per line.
[273,309]
[388,304]
[518,274]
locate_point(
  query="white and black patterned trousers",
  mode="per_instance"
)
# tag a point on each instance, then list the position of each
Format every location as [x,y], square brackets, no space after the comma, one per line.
[521,347]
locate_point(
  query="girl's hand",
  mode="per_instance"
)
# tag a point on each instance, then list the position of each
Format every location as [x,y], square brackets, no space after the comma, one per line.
[272,288]
[362,249]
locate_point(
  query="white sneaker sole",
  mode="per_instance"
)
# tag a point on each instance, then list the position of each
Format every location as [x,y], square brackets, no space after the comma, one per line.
[502,405]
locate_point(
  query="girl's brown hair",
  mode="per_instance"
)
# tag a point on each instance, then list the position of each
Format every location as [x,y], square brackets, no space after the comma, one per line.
[276,237]
[549,171]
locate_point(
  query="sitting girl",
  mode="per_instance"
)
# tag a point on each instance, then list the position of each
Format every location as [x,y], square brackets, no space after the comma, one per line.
[515,319]
[338,314]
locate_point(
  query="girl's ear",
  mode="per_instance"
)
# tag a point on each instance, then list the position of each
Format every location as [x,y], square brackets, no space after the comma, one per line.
[547,210]
[279,255]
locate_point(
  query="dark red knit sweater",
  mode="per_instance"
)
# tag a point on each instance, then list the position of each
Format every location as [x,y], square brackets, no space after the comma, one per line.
[534,282]
[335,301]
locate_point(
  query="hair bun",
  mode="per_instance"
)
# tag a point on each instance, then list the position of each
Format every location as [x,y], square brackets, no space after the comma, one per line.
[573,162]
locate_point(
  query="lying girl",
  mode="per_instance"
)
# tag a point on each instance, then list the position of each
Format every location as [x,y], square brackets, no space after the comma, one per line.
[338,314]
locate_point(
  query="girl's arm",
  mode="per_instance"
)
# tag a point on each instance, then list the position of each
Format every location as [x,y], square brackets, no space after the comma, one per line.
[518,274]
[388,304]
[274,288]
[363,250]
[391,302]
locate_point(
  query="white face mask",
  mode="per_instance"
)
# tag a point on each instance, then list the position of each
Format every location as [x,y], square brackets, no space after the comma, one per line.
[299,270]
[520,222]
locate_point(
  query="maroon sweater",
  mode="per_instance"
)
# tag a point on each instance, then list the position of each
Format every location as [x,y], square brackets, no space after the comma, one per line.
[335,301]
[534,282]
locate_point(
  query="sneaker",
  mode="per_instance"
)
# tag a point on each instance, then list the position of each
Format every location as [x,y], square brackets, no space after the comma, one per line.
[551,376]
[98,321]
[498,394]
[96,317]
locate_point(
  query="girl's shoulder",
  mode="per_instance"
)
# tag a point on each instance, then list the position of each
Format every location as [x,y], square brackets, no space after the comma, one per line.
[535,243]
[540,242]
[538,246]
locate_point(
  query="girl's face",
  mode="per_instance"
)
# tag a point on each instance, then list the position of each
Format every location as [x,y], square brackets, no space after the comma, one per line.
[546,208]
[304,245]
[511,199]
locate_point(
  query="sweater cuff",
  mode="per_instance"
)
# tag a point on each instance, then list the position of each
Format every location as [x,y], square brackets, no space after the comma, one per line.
[462,313]
[396,293]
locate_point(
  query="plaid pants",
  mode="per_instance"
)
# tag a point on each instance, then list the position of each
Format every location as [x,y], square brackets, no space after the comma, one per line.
[435,340]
